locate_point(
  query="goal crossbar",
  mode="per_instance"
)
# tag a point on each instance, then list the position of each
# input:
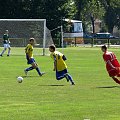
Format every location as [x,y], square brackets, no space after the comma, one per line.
[31,20]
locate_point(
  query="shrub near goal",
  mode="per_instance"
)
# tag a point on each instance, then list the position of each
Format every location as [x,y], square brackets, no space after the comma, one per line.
[20,30]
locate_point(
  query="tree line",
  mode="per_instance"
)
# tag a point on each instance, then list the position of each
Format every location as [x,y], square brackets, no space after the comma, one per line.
[55,10]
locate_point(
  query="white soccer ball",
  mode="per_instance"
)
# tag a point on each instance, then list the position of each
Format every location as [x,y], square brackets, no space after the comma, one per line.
[19,79]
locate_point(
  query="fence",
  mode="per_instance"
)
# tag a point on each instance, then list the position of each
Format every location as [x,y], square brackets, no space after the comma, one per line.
[20,42]
[109,42]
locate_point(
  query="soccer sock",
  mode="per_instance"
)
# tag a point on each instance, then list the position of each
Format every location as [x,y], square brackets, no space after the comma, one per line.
[38,70]
[3,51]
[69,77]
[8,52]
[116,80]
[30,68]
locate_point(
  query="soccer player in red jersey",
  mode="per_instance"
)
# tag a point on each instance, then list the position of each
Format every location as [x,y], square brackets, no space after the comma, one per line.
[112,64]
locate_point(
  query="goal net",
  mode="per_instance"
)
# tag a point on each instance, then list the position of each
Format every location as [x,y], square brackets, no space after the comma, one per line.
[20,30]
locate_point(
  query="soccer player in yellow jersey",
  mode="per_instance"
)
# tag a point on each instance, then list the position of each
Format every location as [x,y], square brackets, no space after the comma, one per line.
[59,65]
[30,59]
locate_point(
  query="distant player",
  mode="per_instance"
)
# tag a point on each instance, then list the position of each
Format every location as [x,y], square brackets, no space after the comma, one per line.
[30,59]
[112,64]
[6,43]
[59,65]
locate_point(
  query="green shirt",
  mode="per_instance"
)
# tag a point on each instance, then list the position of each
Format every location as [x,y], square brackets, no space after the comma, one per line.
[5,38]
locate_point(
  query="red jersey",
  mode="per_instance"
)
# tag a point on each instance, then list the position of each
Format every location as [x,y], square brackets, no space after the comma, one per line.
[111,63]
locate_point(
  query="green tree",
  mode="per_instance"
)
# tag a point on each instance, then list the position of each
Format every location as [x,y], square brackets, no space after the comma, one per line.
[52,10]
[79,7]
[10,8]
[55,10]
[112,15]
[88,11]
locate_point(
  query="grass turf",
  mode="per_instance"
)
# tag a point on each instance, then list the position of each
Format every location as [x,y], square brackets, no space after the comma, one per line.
[95,95]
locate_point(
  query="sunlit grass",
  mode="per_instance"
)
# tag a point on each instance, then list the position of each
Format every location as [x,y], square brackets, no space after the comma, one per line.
[95,95]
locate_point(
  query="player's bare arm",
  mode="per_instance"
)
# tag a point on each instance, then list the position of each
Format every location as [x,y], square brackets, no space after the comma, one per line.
[55,63]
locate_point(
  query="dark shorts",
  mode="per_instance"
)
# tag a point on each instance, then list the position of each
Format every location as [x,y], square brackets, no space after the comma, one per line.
[61,74]
[30,61]
[114,72]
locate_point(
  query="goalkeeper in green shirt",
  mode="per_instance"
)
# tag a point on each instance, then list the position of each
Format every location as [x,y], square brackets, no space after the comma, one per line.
[6,43]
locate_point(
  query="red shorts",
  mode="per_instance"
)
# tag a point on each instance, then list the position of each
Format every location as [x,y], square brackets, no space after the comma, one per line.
[114,72]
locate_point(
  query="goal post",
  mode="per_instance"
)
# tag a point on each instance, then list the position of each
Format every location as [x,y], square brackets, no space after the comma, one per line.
[44,38]
[20,30]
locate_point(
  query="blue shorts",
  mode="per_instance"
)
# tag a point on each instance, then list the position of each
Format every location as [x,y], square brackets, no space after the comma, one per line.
[61,74]
[30,61]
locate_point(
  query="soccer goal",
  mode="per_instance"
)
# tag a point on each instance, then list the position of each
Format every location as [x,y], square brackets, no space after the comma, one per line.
[20,30]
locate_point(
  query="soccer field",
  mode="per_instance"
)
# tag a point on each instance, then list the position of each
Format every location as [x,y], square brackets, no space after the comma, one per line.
[94,97]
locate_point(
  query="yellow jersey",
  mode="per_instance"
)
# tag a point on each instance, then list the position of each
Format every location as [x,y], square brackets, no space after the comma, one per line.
[60,63]
[29,50]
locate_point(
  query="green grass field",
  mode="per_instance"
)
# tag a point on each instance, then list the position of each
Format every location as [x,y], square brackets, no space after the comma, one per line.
[95,96]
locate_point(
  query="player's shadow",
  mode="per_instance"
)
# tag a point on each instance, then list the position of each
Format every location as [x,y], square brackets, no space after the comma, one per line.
[51,85]
[42,85]
[30,76]
[108,87]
